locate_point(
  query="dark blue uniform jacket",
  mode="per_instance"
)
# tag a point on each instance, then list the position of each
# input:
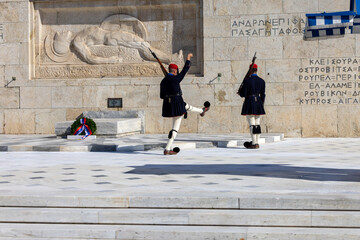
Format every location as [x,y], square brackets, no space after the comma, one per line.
[253,90]
[170,92]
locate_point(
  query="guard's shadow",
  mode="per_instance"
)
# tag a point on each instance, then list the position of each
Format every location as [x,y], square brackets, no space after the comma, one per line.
[259,170]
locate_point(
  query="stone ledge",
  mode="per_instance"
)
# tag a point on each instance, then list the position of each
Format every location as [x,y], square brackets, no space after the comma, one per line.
[109,127]
[184,217]
[248,202]
[79,137]
[125,232]
[118,114]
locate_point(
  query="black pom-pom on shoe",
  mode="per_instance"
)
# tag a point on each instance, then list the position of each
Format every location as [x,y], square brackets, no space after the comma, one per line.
[247,144]
[205,109]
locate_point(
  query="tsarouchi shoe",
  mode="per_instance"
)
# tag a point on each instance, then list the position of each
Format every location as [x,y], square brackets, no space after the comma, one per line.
[204,111]
[253,146]
[169,152]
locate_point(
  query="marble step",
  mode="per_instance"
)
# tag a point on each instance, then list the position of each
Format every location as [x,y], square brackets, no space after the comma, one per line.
[184,217]
[245,202]
[147,232]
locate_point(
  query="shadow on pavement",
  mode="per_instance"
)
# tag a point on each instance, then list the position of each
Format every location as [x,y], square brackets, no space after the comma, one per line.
[258,170]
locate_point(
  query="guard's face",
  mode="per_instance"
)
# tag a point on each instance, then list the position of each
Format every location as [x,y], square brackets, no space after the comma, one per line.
[173,71]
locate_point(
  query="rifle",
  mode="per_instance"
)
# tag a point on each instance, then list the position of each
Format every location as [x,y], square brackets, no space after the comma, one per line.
[158,60]
[248,72]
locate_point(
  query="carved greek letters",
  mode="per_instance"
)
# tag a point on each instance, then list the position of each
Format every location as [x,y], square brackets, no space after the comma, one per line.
[259,26]
[330,81]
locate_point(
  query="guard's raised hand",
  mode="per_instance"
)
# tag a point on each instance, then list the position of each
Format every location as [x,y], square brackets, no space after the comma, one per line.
[190,55]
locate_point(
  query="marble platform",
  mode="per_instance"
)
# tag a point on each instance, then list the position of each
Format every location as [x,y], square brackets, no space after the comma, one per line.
[137,142]
[291,189]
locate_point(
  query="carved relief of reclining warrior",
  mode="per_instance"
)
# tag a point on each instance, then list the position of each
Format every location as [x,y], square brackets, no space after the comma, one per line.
[117,30]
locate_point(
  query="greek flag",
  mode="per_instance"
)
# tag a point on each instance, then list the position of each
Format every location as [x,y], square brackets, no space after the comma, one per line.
[327,25]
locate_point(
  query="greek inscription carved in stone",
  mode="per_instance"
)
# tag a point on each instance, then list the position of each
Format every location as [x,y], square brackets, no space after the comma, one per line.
[258,26]
[331,81]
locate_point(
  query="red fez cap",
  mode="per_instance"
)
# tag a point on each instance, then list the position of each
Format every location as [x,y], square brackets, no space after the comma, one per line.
[254,66]
[173,66]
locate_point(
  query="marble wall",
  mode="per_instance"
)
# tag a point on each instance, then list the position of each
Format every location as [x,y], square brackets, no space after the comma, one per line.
[70,57]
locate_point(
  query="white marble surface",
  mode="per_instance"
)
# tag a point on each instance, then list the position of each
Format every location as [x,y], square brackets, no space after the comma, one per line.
[327,167]
[134,142]
[294,189]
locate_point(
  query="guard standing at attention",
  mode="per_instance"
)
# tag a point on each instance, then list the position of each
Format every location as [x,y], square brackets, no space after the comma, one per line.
[253,90]
[173,103]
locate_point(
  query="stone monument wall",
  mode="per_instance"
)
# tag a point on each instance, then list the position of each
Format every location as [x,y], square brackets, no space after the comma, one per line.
[71,56]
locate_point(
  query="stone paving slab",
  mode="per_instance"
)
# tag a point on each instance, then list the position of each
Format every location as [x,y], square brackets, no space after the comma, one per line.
[308,188]
[140,142]
[294,174]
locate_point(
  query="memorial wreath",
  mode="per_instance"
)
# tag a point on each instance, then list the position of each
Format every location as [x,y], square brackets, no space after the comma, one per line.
[83,126]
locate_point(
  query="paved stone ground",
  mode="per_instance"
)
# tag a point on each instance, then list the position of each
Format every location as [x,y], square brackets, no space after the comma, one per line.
[124,144]
[294,166]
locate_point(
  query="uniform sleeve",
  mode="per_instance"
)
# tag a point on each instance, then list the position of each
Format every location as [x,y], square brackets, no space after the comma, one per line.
[162,89]
[262,93]
[186,68]
[243,89]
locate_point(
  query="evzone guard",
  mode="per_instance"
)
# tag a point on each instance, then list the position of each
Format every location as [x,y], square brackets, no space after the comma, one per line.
[253,90]
[173,103]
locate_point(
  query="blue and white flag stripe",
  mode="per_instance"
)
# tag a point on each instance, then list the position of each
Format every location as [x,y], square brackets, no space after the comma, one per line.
[356,25]
[320,20]
[322,25]
[323,33]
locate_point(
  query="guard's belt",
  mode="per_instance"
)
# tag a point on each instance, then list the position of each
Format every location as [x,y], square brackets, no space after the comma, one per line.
[254,95]
[172,95]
